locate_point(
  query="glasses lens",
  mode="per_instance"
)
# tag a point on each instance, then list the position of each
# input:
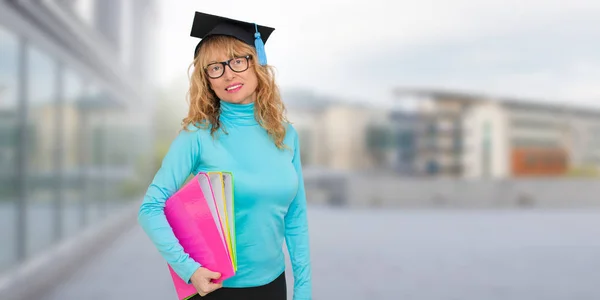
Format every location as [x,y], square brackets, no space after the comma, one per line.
[215,70]
[239,64]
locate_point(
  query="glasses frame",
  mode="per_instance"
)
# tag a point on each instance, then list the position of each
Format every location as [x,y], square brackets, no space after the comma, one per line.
[227,63]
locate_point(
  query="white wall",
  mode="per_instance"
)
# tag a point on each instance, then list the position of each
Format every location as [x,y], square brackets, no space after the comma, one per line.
[344,129]
[473,155]
[337,135]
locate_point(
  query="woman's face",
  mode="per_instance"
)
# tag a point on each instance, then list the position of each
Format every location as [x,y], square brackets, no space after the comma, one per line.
[233,87]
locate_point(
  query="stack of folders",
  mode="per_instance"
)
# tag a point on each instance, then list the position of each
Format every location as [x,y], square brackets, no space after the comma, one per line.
[201,214]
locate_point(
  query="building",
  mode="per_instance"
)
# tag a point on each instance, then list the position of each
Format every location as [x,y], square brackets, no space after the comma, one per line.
[474,136]
[545,139]
[74,94]
[339,135]
[438,133]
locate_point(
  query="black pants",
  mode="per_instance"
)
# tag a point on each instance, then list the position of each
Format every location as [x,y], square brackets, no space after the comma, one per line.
[275,290]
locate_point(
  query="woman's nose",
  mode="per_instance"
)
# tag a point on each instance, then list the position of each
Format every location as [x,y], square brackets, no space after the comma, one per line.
[228,74]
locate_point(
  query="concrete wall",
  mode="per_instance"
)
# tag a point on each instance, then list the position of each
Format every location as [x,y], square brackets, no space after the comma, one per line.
[388,191]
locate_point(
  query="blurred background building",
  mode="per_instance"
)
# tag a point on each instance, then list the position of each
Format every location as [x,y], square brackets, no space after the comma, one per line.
[476,136]
[434,147]
[75,110]
[451,134]
[340,135]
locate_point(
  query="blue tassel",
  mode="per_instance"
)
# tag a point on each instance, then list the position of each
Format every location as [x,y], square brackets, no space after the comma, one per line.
[260,47]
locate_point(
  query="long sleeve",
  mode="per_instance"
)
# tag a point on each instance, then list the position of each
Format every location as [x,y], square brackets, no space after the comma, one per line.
[177,165]
[296,235]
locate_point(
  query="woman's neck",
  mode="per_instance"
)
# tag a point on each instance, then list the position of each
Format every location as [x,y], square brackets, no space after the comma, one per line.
[238,113]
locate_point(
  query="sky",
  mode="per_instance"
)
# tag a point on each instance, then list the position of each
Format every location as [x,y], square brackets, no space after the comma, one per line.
[543,50]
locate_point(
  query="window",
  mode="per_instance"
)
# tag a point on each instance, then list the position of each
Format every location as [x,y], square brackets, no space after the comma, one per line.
[42,144]
[433,168]
[71,128]
[73,93]
[406,140]
[8,110]
[529,123]
[379,137]
[487,148]
[432,129]
[534,142]
[457,144]
[9,86]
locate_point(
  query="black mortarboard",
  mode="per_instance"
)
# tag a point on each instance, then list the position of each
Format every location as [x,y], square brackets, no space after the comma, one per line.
[252,34]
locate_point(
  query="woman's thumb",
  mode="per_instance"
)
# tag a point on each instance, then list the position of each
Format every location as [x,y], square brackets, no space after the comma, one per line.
[214,275]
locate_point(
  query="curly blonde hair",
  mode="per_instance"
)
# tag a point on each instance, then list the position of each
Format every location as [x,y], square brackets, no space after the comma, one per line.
[204,105]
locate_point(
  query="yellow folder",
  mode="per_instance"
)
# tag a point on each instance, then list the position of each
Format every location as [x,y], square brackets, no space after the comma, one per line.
[222,185]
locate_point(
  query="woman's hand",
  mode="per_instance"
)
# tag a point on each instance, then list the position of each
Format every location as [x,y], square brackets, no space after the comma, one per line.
[202,281]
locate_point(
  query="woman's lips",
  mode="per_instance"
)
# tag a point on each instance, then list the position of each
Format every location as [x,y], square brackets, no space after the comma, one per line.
[234,88]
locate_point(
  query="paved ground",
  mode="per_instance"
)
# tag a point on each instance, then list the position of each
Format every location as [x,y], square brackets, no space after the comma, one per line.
[421,255]
[40,224]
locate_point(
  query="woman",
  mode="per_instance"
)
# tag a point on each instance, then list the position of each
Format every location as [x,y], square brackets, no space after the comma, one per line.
[236,123]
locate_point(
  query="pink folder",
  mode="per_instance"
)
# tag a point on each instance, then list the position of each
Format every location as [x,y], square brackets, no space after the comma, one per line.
[189,214]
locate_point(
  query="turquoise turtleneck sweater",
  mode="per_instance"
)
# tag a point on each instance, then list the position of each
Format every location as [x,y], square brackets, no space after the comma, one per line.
[270,202]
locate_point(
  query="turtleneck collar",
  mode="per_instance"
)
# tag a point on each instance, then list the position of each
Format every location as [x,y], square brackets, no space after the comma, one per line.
[238,114]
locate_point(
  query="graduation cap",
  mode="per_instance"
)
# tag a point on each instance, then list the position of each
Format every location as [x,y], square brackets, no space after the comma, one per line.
[206,25]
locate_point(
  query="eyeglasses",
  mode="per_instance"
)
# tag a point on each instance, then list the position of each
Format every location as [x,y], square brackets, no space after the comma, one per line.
[236,64]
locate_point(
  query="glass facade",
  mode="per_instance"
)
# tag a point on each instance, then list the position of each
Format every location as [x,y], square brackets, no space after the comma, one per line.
[42,140]
[71,155]
[71,152]
[9,89]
